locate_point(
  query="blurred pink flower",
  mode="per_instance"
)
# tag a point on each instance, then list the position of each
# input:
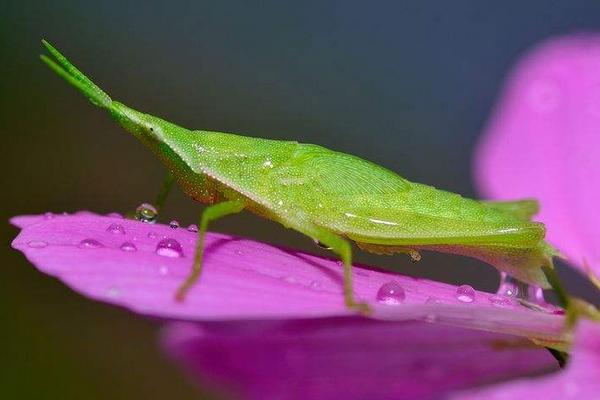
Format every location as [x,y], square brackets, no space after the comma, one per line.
[350,358]
[580,380]
[544,142]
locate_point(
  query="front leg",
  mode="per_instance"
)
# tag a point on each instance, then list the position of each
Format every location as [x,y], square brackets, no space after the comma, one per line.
[211,213]
[165,189]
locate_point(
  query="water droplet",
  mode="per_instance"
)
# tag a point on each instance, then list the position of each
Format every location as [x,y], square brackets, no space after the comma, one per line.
[113,292]
[535,295]
[501,301]
[391,293]
[525,293]
[116,228]
[267,164]
[315,284]
[509,286]
[151,235]
[174,224]
[433,300]
[128,246]
[169,248]
[90,244]
[114,215]
[239,252]
[146,213]
[465,294]
[48,215]
[163,270]
[37,244]
[192,228]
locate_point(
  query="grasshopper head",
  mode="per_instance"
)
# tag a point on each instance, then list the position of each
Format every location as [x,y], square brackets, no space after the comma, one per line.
[139,124]
[151,130]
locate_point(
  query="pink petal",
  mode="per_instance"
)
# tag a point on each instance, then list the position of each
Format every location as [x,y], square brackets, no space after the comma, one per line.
[543,142]
[243,279]
[580,380]
[349,359]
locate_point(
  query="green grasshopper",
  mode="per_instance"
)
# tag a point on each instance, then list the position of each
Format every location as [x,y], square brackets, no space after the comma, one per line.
[332,197]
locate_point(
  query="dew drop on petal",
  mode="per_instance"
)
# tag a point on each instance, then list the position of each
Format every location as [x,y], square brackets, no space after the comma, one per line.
[391,293]
[90,244]
[151,235]
[433,300]
[535,295]
[465,294]
[524,292]
[146,213]
[174,224]
[116,228]
[509,286]
[169,248]
[192,228]
[128,246]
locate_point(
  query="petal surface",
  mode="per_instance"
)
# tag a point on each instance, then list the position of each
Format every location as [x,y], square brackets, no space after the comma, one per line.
[543,142]
[348,359]
[580,380]
[140,266]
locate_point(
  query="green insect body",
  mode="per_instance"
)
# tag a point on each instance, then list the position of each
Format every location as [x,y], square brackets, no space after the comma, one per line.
[329,196]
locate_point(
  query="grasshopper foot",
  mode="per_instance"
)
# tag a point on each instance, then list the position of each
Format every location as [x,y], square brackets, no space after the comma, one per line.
[185,287]
[362,308]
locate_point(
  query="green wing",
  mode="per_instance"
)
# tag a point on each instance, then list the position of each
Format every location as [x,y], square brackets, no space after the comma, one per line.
[370,204]
[323,175]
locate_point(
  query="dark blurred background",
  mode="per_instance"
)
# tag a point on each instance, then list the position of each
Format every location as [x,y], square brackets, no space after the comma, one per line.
[408,85]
